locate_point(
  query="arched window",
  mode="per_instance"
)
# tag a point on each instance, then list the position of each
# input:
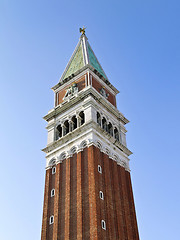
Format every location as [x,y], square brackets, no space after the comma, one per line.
[103,224]
[53,170]
[82,118]
[66,127]
[51,219]
[99,169]
[74,122]
[110,129]
[116,134]
[98,118]
[104,124]
[53,192]
[101,195]
[59,132]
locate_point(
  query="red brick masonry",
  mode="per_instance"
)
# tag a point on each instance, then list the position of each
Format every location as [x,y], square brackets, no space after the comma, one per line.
[81,85]
[77,207]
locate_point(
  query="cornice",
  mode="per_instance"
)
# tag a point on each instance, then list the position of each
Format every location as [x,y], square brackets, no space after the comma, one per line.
[110,88]
[87,67]
[74,79]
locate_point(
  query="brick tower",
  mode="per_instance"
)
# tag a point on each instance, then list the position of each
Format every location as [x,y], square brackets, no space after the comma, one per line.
[88,192]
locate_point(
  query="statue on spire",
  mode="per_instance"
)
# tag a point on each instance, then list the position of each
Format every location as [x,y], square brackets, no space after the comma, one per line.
[82,30]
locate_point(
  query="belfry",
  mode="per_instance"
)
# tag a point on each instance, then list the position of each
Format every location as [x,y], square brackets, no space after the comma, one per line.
[88,192]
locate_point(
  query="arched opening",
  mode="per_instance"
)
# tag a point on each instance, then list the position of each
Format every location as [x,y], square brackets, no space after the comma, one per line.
[99,145]
[107,151]
[83,144]
[66,127]
[74,122]
[62,156]
[52,162]
[82,118]
[98,118]
[110,129]
[59,132]
[104,124]
[116,134]
[73,150]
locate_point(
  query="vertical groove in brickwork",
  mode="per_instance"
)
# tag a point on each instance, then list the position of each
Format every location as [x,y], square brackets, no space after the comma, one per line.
[56,202]
[118,205]
[122,204]
[132,207]
[67,199]
[114,188]
[110,224]
[126,204]
[105,213]
[45,222]
[79,196]
[73,198]
[92,194]
[98,187]
[61,232]
[85,196]
[101,206]
[51,204]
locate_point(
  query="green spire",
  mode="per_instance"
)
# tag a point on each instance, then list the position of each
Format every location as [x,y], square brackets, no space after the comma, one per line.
[94,62]
[83,55]
[76,63]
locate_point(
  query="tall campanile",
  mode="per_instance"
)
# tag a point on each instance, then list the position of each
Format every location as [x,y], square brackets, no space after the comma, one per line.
[88,192]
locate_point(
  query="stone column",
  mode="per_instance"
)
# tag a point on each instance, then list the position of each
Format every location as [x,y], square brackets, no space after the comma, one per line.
[70,126]
[113,131]
[91,80]
[100,121]
[88,79]
[63,129]
[78,121]
[90,114]
[85,80]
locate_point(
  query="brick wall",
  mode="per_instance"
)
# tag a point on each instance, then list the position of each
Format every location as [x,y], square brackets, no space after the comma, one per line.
[81,84]
[96,84]
[77,207]
[60,95]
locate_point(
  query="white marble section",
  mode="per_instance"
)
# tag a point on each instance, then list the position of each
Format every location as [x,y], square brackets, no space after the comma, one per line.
[87,139]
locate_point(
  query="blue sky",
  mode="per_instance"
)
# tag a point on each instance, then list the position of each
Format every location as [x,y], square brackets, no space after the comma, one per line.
[138,46]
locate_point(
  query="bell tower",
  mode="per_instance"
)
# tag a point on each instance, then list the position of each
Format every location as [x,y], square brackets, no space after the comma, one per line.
[88,192]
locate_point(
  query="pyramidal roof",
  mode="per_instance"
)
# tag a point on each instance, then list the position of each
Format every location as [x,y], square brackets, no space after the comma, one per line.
[83,55]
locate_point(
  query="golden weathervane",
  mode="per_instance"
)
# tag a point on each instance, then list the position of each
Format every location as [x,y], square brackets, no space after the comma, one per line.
[82,30]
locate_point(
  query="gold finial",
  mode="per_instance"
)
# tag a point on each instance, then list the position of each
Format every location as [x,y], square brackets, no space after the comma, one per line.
[82,30]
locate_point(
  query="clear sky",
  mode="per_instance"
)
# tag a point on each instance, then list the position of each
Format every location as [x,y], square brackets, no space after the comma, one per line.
[138,46]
